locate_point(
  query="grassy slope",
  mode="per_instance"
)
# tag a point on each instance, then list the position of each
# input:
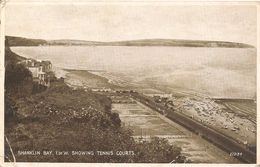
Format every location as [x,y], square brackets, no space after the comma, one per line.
[62,119]
[11,56]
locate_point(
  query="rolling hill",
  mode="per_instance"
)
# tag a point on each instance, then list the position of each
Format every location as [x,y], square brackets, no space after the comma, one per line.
[19,41]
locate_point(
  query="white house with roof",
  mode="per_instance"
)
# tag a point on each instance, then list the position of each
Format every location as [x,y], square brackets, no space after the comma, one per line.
[39,70]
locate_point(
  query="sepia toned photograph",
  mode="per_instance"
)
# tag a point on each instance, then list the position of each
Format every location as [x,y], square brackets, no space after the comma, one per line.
[126,82]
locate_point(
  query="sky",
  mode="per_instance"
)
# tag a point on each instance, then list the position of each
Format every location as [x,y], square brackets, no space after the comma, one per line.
[116,22]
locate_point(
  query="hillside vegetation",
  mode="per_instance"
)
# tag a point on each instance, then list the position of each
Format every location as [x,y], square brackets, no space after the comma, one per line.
[63,119]
[19,41]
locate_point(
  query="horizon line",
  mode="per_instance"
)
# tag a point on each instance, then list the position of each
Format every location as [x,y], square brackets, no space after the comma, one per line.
[128,40]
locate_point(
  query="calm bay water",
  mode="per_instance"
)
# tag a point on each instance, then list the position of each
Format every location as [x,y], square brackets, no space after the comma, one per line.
[219,72]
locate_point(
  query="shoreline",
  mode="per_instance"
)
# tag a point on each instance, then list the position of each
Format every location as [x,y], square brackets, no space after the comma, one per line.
[204,110]
[167,90]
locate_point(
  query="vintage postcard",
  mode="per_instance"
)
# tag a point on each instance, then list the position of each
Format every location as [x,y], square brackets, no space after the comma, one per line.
[129,82]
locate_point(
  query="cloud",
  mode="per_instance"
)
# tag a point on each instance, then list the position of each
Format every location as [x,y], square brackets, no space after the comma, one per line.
[110,22]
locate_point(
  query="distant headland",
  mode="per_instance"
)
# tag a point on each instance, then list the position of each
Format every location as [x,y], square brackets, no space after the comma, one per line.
[20,41]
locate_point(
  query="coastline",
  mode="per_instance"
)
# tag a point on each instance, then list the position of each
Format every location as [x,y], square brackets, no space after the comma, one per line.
[230,113]
[86,79]
[61,120]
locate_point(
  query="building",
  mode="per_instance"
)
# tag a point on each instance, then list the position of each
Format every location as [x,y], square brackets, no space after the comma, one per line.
[101,89]
[40,70]
[160,95]
[46,65]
